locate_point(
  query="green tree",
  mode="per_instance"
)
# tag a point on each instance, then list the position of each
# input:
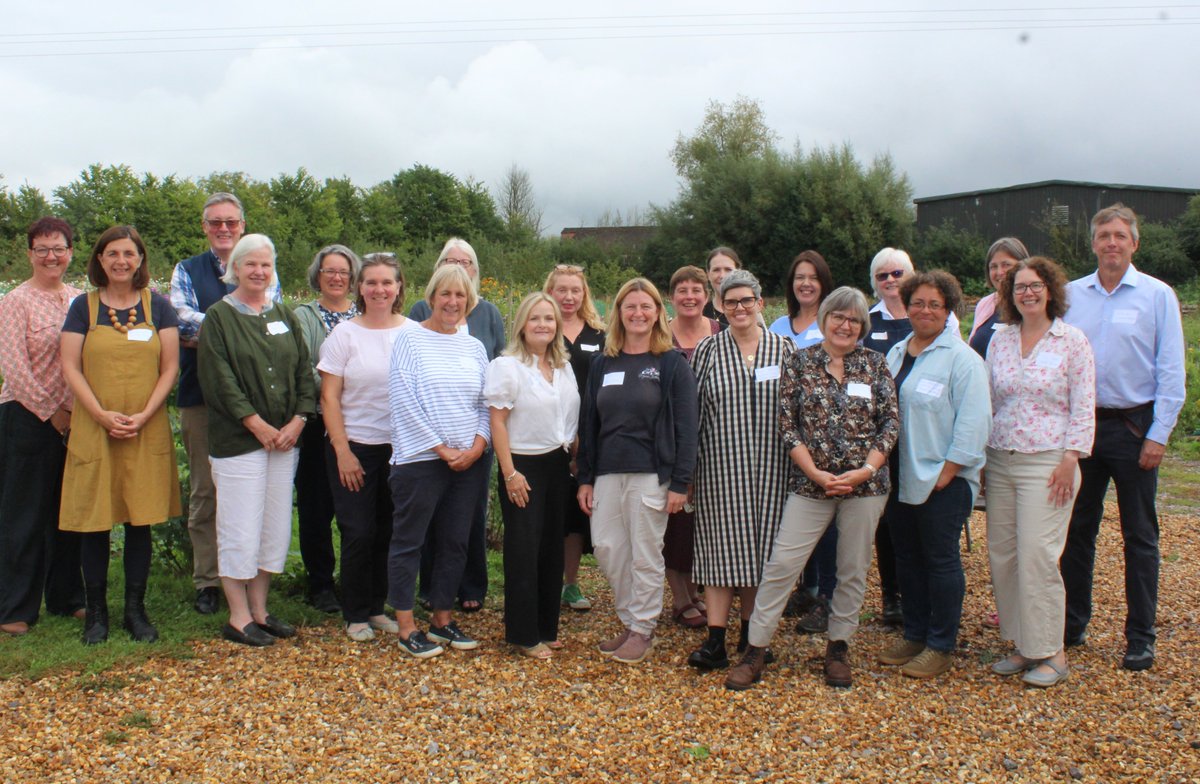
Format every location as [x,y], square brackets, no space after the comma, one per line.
[1161,254]
[518,205]
[955,250]
[739,131]
[101,197]
[306,219]
[167,215]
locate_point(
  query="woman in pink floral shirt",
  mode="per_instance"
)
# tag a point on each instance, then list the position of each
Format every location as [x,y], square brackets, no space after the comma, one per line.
[35,409]
[1043,382]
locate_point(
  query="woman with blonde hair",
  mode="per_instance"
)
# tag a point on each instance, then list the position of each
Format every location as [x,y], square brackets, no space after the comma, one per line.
[636,457]
[534,410]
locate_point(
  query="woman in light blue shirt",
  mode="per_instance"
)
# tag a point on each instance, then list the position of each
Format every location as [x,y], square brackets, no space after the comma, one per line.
[945,418]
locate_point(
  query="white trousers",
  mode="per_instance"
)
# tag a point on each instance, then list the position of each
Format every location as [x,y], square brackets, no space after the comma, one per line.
[629,518]
[254,511]
[804,521]
[1026,535]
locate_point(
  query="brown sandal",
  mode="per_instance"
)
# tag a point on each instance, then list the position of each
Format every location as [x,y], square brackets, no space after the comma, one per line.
[693,622]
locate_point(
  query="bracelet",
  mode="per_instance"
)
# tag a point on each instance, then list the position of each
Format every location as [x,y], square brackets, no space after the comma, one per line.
[871,468]
[509,478]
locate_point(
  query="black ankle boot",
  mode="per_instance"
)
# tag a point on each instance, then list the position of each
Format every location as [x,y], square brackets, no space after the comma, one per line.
[136,622]
[95,621]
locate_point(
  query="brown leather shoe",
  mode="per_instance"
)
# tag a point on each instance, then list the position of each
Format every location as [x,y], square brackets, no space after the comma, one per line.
[748,671]
[837,664]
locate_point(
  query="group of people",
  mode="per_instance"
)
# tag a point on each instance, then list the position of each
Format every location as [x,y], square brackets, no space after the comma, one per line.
[706,452]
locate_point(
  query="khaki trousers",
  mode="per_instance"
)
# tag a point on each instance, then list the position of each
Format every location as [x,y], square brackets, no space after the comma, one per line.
[629,518]
[202,505]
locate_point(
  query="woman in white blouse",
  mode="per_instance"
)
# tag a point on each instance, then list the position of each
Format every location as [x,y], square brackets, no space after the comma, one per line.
[354,368]
[1043,382]
[534,404]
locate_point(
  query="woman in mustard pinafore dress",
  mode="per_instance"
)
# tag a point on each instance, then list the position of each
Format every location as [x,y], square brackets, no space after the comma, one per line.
[120,355]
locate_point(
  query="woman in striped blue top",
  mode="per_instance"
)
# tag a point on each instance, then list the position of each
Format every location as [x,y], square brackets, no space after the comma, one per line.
[440,429]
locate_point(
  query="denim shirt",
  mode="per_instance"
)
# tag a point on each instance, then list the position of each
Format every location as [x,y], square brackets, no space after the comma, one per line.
[945,414]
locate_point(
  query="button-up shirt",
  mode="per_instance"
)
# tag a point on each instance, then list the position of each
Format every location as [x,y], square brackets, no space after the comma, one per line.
[1136,333]
[30,323]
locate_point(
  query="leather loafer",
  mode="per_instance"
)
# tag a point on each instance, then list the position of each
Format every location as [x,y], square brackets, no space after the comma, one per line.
[252,635]
[207,600]
[277,628]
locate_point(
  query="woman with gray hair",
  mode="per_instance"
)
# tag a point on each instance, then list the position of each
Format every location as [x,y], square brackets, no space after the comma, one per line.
[483,322]
[838,422]
[741,475]
[1003,255]
[889,319]
[257,381]
[333,275]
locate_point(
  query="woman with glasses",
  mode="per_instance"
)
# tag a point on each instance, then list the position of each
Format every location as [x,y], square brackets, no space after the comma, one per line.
[332,274]
[583,335]
[945,416]
[1002,256]
[35,413]
[838,423]
[741,473]
[484,323]
[1043,380]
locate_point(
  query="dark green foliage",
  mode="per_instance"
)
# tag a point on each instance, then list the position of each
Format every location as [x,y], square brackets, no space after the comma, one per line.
[957,251]
[1161,254]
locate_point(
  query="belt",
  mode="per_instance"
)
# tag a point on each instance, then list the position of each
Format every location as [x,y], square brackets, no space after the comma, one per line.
[1126,417]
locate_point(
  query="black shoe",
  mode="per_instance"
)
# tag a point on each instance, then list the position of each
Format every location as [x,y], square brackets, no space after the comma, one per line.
[816,620]
[207,600]
[277,628]
[892,615]
[95,622]
[253,635]
[453,636]
[326,601]
[799,603]
[1139,656]
[709,656]
[136,622]
[1074,639]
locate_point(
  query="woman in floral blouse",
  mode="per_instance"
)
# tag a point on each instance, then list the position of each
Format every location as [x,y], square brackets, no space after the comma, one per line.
[1043,381]
[839,423]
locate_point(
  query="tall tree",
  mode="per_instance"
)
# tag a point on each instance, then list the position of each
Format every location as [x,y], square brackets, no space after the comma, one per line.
[739,131]
[518,205]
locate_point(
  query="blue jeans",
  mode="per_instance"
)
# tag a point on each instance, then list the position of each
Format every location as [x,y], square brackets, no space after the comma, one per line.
[932,583]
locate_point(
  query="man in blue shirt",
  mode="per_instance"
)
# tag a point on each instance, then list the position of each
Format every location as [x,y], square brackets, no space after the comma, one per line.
[1134,326]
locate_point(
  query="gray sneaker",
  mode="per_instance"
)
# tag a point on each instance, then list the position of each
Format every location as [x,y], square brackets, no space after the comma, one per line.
[635,648]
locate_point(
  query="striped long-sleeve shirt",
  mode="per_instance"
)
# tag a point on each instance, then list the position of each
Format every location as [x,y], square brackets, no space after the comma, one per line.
[435,391]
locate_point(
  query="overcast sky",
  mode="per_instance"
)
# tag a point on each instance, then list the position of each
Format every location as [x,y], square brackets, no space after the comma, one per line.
[590,97]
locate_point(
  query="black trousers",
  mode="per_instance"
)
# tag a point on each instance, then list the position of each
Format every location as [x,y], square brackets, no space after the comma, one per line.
[314,507]
[35,557]
[1115,457]
[364,519]
[533,549]
[885,551]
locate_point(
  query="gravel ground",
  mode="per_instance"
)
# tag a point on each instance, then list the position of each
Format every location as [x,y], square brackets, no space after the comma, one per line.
[321,708]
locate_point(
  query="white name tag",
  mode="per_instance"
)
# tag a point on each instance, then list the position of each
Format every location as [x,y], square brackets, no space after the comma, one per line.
[1048,360]
[589,346]
[996,326]
[615,379]
[769,373]
[930,387]
[276,328]
[858,390]
[464,328]
[1125,316]
[141,335]
[878,336]
[812,334]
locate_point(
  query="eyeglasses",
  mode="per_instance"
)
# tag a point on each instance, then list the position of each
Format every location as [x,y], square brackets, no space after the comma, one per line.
[920,304]
[897,274]
[57,250]
[574,269]
[380,255]
[231,223]
[459,262]
[335,273]
[1037,287]
[839,319]
[745,303]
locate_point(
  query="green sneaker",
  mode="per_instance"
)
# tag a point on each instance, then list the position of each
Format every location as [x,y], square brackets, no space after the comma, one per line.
[572,597]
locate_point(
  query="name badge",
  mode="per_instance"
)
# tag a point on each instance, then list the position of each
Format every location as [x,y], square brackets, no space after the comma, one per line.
[878,336]
[930,387]
[996,326]
[855,389]
[141,335]
[464,328]
[769,373]
[1125,316]
[589,346]
[277,328]
[614,379]
[1046,359]
[813,334]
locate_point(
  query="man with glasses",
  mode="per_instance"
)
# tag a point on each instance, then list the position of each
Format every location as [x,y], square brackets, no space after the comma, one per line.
[196,286]
[1133,323]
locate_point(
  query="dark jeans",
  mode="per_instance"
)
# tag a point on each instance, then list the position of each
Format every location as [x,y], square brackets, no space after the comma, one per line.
[821,570]
[932,583]
[533,549]
[474,585]
[1115,456]
[35,557]
[364,519]
[314,507]
[430,497]
[885,552]
[95,549]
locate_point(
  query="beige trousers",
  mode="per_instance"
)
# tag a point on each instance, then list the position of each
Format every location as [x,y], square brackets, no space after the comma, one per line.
[629,518]
[202,505]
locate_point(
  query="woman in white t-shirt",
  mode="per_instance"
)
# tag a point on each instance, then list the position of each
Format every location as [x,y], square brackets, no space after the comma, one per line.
[534,404]
[354,370]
